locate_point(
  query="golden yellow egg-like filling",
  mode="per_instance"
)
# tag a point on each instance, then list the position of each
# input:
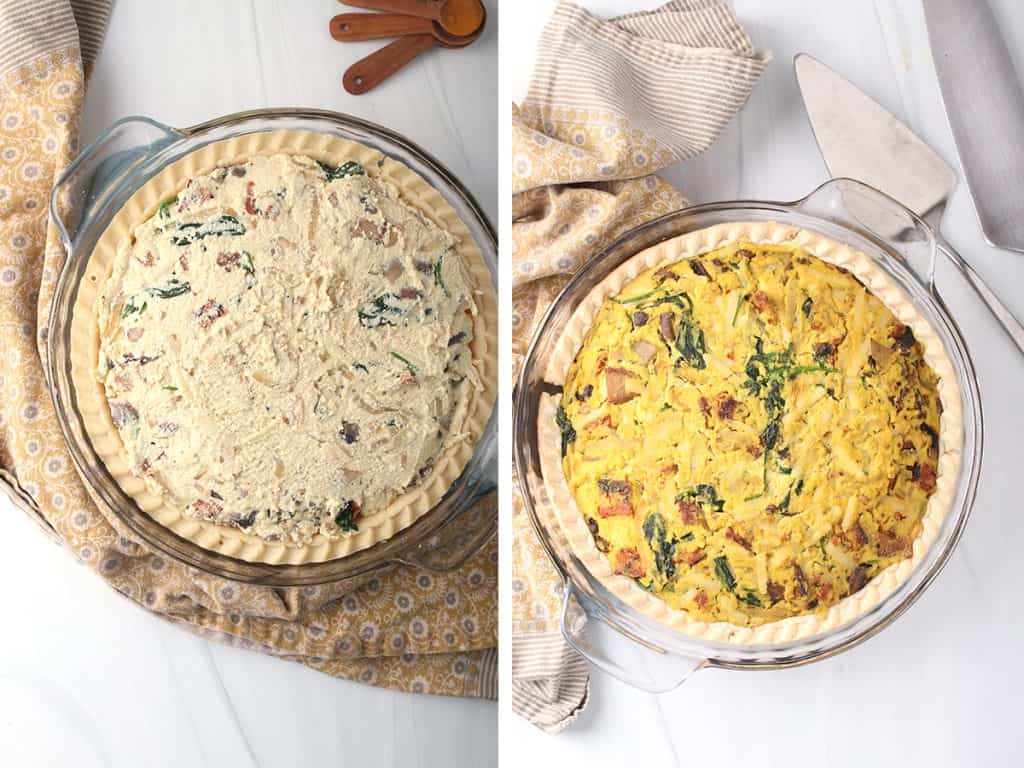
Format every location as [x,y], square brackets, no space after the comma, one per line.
[751,434]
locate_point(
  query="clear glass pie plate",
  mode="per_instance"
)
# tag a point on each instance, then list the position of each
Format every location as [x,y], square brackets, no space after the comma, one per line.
[645,653]
[93,190]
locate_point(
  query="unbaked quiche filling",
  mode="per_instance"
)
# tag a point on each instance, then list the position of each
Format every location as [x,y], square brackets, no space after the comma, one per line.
[285,347]
[751,434]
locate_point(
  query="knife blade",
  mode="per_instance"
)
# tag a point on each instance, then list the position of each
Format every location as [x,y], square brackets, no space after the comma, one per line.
[985,107]
[859,139]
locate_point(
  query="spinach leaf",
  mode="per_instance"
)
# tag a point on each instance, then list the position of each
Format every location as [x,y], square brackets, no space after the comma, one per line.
[163,211]
[690,343]
[703,494]
[750,598]
[360,367]
[173,287]
[409,365]
[438,278]
[724,573]
[192,232]
[662,547]
[346,516]
[565,427]
[385,309]
[131,308]
[247,264]
[348,168]
[808,305]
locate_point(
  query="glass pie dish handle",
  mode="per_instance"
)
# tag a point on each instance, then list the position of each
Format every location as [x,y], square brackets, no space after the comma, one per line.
[92,180]
[613,649]
[871,213]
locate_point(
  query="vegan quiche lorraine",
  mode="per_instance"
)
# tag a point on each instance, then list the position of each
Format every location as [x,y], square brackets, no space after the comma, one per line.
[285,347]
[750,434]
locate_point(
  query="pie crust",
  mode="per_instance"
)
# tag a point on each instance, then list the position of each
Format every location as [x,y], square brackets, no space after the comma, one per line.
[374,527]
[563,519]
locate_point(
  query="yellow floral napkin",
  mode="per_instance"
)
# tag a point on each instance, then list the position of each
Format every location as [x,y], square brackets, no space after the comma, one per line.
[407,629]
[610,103]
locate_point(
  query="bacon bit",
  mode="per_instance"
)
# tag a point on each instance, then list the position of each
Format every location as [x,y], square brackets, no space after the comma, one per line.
[601,362]
[167,427]
[776,592]
[700,597]
[622,509]
[228,260]
[743,542]
[902,336]
[332,198]
[250,201]
[206,509]
[147,260]
[907,446]
[627,563]
[745,253]
[725,406]
[209,313]
[183,260]
[664,274]
[691,558]
[615,385]
[690,511]
[145,467]
[853,539]
[755,450]
[134,333]
[640,319]
[927,479]
[891,544]
[698,268]
[666,327]
[381,235]
[124,380]
[123,413]
[761,302]
[394,270]
[412,293]
[858,578]
[606,420]
[407,379]
[669,469]
[824,591]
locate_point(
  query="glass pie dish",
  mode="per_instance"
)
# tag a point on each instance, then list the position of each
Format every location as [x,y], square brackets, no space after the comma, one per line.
[85,199]
[615,636]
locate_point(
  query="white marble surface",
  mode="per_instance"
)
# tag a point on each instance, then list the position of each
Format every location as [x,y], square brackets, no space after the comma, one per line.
[941,686]
[88,679]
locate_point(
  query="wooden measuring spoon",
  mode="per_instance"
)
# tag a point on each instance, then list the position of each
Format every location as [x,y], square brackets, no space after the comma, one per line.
[372,70]
[349,27]
[458,17]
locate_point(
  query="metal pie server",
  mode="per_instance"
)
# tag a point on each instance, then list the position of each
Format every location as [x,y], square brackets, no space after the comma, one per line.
[860,140]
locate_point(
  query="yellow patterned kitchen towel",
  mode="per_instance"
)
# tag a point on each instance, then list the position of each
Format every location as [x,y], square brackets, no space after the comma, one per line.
[610,103]
[406,629]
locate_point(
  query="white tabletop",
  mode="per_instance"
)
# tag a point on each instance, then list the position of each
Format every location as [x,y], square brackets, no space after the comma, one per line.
[87,678]
[940,687]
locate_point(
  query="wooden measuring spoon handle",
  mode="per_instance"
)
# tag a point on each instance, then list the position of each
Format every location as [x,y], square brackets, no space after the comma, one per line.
[374,69]
[425,9]
[347,27]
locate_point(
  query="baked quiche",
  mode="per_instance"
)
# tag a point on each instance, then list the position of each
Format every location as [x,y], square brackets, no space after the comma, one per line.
[750,434]
[285,347]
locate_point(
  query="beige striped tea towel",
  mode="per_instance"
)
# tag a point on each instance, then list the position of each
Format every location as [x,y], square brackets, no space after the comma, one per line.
[406,629]
[610,103]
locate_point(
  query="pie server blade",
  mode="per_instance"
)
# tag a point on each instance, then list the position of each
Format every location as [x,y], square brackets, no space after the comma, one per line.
[861,140]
